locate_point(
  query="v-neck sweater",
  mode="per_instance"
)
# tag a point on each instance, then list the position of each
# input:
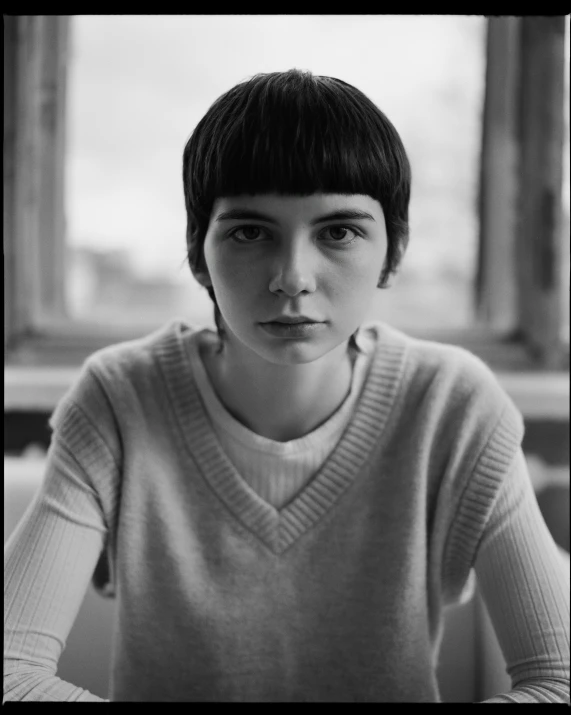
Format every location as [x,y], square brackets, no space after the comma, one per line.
[275,470]
[338,596]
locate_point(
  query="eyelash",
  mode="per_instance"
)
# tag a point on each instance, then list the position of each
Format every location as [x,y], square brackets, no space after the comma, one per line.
[340,242]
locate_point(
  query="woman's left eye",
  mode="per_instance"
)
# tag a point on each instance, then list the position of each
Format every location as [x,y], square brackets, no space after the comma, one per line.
[341,234]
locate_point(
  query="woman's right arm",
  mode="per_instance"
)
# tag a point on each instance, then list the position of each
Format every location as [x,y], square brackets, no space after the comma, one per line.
[49,560]
[50,557]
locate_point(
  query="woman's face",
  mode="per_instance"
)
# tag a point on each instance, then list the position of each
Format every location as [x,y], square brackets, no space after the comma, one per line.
[270,258]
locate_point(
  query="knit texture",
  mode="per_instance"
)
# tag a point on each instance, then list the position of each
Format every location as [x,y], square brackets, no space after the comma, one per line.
[221,596]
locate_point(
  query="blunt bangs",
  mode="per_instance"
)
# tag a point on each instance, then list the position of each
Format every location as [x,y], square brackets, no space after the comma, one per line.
[294,133]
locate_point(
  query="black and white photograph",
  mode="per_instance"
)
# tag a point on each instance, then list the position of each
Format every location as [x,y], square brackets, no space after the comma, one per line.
[286,358]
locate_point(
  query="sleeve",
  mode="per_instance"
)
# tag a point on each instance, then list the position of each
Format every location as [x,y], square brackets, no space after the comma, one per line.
[525,585]
[50,557]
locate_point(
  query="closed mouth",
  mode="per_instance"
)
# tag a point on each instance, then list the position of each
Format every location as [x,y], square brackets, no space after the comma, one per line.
[285,320]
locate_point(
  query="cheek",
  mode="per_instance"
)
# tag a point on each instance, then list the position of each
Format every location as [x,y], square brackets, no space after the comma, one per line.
[218,268]
[230,276]
[361,274]
[373,261]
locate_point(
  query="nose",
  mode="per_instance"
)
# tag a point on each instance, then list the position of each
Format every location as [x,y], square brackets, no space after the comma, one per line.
[292,271]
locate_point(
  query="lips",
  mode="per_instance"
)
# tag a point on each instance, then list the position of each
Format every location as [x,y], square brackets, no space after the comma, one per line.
[293,319]
[301,329]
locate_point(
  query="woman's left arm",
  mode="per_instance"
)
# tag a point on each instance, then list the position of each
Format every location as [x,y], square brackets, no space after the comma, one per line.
[525,584]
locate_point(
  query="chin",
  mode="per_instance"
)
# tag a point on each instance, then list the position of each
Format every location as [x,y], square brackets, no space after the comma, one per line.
[287,352]
[294,356]
[294,352]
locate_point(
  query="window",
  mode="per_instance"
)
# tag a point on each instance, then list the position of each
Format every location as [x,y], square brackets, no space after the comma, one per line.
[524,196]
[69,189]
[133,101]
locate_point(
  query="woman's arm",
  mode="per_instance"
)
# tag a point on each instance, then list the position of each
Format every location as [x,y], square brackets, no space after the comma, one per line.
[48,562]
[525,585]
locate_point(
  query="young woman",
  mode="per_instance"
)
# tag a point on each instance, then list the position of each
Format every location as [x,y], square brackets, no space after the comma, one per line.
[284,507]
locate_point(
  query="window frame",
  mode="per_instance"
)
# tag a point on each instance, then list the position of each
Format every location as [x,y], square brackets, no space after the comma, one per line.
[517,328]
[521,174]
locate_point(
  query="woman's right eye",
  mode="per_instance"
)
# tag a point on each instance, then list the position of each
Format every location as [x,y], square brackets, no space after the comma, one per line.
[247,234]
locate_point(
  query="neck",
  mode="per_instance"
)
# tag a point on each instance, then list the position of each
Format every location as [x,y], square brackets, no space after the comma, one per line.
[280,402]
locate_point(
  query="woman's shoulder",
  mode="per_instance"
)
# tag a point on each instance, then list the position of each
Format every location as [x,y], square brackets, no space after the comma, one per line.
[448,373]
[141,354]
[111,376]
[427,356]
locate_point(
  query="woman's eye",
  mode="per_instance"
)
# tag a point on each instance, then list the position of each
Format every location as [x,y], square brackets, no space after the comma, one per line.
[341,234]
[247,234]
[252,234]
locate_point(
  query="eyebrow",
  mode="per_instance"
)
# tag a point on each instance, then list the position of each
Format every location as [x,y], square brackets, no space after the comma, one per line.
[251,214]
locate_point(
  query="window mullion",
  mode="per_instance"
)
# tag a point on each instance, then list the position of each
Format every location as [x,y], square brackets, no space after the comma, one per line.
[51,246]
[34,153]
[10,121]
[23,37]
[496,290]
[539,230]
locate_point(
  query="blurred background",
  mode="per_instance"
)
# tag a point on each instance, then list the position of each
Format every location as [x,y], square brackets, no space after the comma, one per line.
[97,111]
[139,85]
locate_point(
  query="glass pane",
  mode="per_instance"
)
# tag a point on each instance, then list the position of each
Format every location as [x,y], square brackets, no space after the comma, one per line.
[138,85]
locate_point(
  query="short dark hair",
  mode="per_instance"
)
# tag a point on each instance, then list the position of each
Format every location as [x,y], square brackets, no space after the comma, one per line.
[295,133]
